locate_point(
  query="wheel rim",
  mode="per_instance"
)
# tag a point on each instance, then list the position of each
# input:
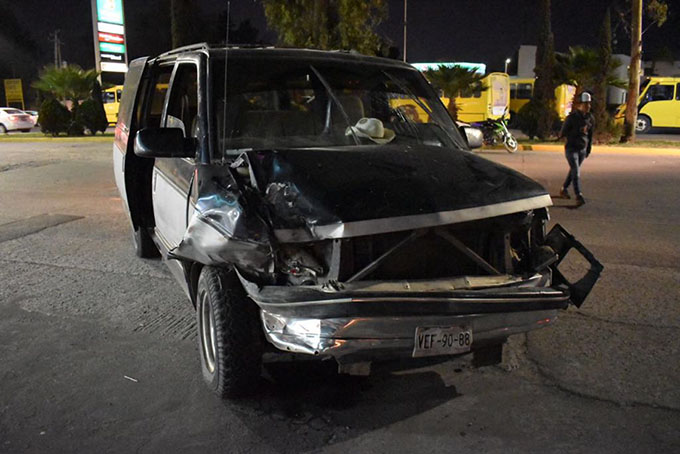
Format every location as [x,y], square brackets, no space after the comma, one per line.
[641,124]
[207,332]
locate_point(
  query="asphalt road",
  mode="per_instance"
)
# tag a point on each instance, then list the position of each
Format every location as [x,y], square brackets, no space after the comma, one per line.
[656,134]
[98,352]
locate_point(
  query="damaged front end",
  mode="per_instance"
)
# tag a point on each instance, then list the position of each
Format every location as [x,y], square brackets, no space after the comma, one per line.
[366,298]
[372,277]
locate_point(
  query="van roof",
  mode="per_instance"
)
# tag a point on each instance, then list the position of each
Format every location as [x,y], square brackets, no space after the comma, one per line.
[217,50]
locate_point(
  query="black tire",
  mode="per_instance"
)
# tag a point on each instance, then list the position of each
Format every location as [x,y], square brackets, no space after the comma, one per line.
[144,245]
[230,338]
[3,129]
[510,143]
[643,124]
[26,130]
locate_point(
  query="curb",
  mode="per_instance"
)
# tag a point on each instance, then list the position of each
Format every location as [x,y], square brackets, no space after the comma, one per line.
[603,149]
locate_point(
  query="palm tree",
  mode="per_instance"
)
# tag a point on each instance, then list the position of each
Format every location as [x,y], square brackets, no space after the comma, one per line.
[452,80]
[582,66]
[70,83]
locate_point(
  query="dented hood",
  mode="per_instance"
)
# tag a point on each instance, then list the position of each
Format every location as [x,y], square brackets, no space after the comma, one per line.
[351,191]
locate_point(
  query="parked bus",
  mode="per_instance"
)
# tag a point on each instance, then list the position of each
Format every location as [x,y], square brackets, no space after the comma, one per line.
[111,99]
[490,102]
[658,104]
[521,91]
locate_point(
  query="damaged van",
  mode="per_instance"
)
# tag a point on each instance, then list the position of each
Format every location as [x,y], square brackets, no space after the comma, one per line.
[302,212]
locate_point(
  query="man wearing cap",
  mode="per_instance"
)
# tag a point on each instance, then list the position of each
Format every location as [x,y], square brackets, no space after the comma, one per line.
[578,130]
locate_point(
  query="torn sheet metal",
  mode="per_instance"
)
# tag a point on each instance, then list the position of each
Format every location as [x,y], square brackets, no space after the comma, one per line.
[341,192]
[221,230]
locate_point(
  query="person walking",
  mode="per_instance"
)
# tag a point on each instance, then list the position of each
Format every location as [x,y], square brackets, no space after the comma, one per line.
[578,130]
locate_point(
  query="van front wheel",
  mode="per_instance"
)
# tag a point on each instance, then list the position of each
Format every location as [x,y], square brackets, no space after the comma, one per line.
[230,340]
[643,124]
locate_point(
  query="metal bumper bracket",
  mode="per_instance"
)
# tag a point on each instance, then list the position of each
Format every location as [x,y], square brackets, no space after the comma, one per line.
[562,242]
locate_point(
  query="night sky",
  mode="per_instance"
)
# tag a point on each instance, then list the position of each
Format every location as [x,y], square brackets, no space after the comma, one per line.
[486,31]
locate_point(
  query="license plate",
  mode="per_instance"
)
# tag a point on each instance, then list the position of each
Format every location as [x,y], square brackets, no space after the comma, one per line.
[442,340]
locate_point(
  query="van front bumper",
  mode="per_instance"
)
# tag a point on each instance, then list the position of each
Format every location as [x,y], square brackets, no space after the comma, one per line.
[356,339]
[370,321]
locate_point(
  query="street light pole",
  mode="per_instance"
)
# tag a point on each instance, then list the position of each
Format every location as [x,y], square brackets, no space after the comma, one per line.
[507,62]
[405,16]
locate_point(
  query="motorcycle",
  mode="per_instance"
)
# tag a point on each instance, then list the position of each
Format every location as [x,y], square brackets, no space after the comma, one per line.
[496,131]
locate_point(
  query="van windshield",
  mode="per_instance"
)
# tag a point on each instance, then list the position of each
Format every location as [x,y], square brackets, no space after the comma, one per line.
[280,102]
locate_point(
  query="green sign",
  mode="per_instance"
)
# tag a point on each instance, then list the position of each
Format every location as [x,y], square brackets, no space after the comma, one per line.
[110,11]
[114,48]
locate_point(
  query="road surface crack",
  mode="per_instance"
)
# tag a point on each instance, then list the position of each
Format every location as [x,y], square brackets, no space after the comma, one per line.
[21,165]
[81,268]
[615,322]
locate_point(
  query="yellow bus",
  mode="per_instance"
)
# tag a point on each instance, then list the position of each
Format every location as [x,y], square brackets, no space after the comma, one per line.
[490,102]
[521,91]
[658,104]
[111,100]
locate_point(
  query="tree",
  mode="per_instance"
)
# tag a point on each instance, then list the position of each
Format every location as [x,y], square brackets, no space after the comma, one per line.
[91,113]
[603,122]
[243,33]
[327,24]
[452,80]
[583,67]
[543,99]
[656,13]
[54,118]
[69,83]
[182,22]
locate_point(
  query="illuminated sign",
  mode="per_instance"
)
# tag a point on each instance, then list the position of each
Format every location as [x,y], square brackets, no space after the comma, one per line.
[108,26]
[112,57]
[113,67]
[114,48]
[110,11]
[111,38]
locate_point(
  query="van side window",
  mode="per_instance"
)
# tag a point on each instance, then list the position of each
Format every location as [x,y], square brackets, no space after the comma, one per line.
[513,91]
[183,102]
[660,92]
[154,107]
[677,92]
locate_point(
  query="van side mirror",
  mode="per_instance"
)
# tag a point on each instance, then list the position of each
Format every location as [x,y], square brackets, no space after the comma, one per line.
[474,136]
[164,143]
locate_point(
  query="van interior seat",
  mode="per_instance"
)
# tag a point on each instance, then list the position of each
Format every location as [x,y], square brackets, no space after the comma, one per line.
[353,107]
[279,123]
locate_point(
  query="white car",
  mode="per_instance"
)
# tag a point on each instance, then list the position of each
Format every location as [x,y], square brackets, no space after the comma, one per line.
[34,116]
[12,119]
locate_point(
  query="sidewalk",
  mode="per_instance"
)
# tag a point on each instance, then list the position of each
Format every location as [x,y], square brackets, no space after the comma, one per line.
[607,149]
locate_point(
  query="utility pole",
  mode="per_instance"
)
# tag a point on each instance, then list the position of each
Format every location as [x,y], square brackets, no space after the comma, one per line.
[405,21]
[57,48]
